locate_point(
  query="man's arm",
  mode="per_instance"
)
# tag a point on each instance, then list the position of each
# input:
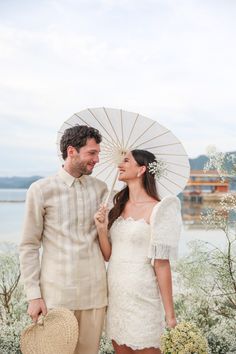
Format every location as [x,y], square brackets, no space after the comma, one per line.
[29,250]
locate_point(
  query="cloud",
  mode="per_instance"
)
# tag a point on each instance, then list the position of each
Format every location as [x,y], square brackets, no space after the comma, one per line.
[173,62]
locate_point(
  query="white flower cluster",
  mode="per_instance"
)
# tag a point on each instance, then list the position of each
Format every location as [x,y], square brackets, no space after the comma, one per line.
[228,202]
[157,168]
[185,338]
[218,161]
[216,218]
[223,216]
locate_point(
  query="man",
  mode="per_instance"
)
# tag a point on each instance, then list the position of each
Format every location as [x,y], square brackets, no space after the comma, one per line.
[60,217]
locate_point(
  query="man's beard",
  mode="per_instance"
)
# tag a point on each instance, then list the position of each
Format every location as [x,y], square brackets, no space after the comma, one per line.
[82,169]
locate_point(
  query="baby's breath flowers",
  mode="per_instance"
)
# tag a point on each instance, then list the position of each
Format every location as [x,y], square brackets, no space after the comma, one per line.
[157,168]
[218,161]
[216,218]
[223,216]
[185,338]
[228,202]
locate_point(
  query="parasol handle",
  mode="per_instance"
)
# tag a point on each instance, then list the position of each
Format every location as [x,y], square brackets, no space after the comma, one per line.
[111,190]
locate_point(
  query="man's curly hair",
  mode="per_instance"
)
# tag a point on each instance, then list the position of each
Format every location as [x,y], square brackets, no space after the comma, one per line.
[77,137]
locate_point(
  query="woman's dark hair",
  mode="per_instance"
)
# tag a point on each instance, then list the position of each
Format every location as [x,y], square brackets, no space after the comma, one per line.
[143,158]
[77,137]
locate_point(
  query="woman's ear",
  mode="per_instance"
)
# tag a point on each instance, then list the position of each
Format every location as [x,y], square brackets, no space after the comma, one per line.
[142,170]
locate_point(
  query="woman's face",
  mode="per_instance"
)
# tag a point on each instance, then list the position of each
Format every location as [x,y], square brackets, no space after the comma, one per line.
[128,168]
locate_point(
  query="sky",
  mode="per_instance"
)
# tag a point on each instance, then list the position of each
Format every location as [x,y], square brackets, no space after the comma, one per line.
[170,60]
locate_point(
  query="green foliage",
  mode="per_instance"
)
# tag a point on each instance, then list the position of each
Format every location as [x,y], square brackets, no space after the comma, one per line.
[106,346]
[10,333]
[13,306]
[207,293]
[10,289]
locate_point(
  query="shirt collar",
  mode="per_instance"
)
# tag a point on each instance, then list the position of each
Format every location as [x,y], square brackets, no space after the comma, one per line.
[68,179]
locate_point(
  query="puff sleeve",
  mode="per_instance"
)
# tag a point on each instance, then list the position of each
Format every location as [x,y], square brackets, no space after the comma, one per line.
[166,223]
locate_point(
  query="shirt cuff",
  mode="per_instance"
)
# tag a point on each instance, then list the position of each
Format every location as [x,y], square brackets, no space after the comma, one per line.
[33,293]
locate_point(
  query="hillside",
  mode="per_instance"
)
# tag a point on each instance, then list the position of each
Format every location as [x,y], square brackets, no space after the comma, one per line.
[17,182]
[24,182]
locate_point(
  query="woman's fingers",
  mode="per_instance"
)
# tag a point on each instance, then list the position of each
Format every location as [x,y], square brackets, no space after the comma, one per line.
[101,214]
[99,217]
[103,208]
[103,211]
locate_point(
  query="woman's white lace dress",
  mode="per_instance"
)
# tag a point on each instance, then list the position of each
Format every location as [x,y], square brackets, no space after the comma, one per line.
[135,315]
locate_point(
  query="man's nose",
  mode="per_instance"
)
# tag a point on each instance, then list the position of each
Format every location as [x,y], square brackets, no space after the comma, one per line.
[96,159]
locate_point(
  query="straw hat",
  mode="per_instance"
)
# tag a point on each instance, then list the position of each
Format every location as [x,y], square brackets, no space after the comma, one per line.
[56,333]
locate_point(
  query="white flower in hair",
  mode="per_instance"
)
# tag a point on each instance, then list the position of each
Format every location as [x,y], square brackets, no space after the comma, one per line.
[157,168]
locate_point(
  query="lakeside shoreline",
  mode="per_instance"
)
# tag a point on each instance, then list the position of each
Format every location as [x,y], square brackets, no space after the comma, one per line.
[12,201]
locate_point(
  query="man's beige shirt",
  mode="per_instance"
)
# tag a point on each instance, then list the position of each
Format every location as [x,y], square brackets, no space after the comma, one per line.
[59,217]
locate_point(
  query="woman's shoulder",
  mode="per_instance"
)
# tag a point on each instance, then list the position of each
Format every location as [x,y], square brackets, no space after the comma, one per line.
[170,202]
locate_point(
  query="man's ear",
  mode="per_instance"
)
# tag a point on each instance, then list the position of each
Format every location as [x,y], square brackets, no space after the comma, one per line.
[70,151]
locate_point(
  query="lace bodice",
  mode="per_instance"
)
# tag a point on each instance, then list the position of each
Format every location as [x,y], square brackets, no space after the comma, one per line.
[162,234]
[130,240]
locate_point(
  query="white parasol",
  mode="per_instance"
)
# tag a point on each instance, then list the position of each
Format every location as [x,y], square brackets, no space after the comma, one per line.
[124,131]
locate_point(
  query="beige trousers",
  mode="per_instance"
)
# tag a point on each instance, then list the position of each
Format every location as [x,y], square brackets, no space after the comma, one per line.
[91,324]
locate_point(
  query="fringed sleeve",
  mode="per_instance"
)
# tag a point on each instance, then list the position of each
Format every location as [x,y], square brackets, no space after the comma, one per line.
[166,223]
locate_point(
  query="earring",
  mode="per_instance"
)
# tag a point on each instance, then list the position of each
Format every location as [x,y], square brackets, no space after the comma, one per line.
[138,175]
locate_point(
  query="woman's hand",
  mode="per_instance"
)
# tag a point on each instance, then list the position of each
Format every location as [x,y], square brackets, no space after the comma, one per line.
[171,322]
[101,218]
[101,221]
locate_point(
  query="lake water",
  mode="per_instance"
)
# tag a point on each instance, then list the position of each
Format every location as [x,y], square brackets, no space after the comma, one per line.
[12,195]
[12,214]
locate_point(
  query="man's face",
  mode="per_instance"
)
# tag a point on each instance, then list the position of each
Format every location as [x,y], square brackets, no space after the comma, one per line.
[83,162]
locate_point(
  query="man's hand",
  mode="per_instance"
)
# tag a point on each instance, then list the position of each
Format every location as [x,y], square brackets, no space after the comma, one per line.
[36,307]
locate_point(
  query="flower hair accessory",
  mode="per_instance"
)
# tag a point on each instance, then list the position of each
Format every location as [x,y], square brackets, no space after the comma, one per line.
[157,168]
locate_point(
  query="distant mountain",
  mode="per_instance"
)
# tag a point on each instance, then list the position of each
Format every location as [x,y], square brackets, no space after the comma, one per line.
[17,182]
[24,182]
[198,163]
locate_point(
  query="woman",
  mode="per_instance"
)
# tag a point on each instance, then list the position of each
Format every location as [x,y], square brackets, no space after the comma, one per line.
[138,229]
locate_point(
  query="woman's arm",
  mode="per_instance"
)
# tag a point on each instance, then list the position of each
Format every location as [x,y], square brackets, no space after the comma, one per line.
[101,222]
[164,279]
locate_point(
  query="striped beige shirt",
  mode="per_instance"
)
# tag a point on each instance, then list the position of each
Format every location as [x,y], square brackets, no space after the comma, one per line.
[59,217]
